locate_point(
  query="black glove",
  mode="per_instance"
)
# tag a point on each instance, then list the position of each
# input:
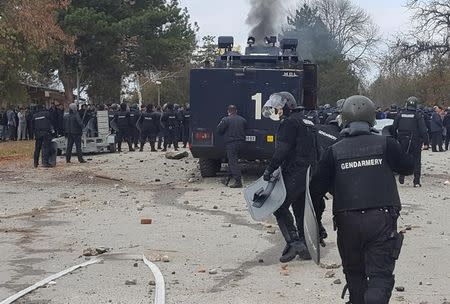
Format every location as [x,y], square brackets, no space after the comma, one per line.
[267,175]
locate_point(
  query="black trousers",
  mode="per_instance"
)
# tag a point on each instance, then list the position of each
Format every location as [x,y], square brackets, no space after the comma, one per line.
[171,137]
[415,149]
[151,137]
[233,150]
[43,142]
[447,139]
[12,132]
[74,139]
[369,245]
[122,135]
[291,226]
[135,135]
[436,141]
[185,135]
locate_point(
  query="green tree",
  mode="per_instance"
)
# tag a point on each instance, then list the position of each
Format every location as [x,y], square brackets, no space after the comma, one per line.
[207,52]
[116,38]
[336,77]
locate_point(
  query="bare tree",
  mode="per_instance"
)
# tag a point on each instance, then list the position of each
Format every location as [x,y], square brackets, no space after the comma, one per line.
[431,35]
[351,27]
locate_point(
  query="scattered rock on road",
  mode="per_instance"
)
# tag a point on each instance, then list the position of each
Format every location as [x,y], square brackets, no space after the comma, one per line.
[212,271]
[329,274]
[131,282]
[400,288]
[176,155]
[95,251]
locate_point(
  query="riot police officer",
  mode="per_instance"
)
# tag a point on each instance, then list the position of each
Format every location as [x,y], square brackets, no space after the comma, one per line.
[134,132]
[43,130]
[410,130]
[296,150]
[171,124]
[149,123]
[360,170]
[392,113]
[232,128]
[73,127]
[123,121]
[186,117]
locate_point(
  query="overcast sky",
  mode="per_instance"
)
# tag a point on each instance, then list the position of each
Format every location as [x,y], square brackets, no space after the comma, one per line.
[227,18]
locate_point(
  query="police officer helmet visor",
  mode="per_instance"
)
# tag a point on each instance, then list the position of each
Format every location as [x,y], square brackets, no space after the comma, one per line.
[275,102]
[273,106]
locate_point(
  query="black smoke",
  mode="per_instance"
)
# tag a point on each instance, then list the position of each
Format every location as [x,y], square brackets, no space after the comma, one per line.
[264,18]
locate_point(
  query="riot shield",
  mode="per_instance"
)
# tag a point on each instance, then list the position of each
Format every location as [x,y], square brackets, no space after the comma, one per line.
[52,153]
[264,198]
[114,125]
[310,225]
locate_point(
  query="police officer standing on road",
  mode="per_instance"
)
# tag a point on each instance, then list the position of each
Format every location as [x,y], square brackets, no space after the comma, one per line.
[186,117]
[124,125]
[43,130]
[296,150]
[150,125]
[73,127]
[232,128]
[410,130]
[134,132]
[360,168]
[171,124]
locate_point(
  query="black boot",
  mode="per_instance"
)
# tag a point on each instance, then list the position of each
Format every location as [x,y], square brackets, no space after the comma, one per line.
[296,248]
[152,146]
[226,180]
[322,235]
[289,232]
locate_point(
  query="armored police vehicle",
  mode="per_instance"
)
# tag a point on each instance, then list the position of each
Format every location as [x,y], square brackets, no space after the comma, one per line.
[246,81]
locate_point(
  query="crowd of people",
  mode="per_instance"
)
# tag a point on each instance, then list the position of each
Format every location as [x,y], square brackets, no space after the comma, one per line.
[163,127]
[16,123]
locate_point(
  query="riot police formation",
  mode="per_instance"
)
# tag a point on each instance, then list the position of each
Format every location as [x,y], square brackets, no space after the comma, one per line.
[149,126]
[73,127]
[124,126]
[296,150]
[360,171]
[43,131]
[170,122]
[232,128]
[410,130]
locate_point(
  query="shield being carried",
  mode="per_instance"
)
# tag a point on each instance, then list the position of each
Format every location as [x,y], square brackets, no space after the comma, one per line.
[114,125]
[310,225]
[264,198]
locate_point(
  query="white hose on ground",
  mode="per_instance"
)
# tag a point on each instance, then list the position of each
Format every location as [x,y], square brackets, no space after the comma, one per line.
[45,281]
[160,295]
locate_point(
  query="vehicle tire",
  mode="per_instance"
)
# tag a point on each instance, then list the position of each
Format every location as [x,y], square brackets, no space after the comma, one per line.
[208,167]
[112,148]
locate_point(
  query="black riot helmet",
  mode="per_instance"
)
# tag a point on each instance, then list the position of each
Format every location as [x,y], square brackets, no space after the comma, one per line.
[358,108]
[281,103]
[411,102]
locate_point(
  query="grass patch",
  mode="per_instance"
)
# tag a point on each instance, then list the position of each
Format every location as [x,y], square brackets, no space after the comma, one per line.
[16,149]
